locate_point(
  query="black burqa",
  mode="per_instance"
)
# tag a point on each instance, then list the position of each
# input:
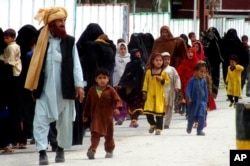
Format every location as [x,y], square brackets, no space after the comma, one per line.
[27,36]
[231,44]
[100,55]
[91,33]
[85,42]
[94,54]
[142,41]
[132,77]
[4,120]
[211,41]
[133,74]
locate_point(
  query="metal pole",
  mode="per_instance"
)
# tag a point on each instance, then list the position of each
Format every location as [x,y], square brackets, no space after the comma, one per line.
[195,17]
[203,17]
[134,4]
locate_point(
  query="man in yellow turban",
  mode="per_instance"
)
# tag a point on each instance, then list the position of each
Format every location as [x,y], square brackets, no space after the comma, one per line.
[56,80]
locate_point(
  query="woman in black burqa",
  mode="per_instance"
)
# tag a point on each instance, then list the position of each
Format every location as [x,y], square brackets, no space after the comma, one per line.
[142,41]
[212,44]
[130,86]
[95,50]
[26,39]
[231,44]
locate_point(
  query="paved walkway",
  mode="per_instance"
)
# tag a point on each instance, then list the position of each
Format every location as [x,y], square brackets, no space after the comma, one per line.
[135,146]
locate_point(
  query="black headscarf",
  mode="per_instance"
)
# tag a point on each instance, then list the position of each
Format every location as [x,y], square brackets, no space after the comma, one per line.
[91,33]
[148,41]
[142,41]
[2,44]
[185,38]
[26,35]
[84,45]
[231,44]
[94,53]
[134,72]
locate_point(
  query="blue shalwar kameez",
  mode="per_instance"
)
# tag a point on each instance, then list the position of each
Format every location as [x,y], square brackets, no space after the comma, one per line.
[197,93]
[51,106]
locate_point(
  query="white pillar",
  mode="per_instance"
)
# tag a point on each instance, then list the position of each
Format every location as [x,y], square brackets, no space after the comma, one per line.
[195,17]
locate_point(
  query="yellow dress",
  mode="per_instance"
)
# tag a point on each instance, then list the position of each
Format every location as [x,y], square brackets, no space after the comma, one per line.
[155,101]
[233,81]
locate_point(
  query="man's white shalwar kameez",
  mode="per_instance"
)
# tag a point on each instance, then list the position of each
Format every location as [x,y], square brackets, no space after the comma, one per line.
[51,106]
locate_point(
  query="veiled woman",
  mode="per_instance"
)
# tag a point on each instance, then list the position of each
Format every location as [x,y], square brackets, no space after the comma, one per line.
[231,44]
[212,47]
[174,45]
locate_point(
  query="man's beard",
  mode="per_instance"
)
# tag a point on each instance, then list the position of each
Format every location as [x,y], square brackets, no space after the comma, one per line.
[58,32]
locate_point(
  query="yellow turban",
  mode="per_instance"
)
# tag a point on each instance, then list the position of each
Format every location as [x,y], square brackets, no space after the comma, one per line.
[46,15]
[51,14]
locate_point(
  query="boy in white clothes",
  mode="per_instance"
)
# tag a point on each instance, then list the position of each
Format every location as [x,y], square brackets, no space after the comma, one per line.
[175,85]
[12,52]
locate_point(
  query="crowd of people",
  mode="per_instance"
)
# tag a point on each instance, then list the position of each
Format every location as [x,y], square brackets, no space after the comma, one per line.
[54,88]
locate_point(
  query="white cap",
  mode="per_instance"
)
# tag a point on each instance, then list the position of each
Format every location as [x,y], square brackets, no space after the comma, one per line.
[165,54]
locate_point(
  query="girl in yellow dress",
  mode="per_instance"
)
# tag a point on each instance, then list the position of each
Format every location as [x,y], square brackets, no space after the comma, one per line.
[233,80]
[153,89]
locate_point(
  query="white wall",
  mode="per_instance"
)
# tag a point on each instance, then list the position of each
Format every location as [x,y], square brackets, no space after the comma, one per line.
[115,20]
[16,13]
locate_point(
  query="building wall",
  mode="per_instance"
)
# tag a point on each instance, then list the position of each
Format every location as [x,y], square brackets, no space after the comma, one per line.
[115,20]
[144,4]
[236,7]
[236,4]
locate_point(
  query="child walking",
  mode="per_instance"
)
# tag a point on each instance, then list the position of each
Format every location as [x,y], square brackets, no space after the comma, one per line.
[175,86]
[211,105]
[196,98]
[102,100]
[233,80]
[153,88]
[131,86]
[186,71]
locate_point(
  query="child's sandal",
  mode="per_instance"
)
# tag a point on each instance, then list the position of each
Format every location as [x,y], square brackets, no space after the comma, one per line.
[7,150]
